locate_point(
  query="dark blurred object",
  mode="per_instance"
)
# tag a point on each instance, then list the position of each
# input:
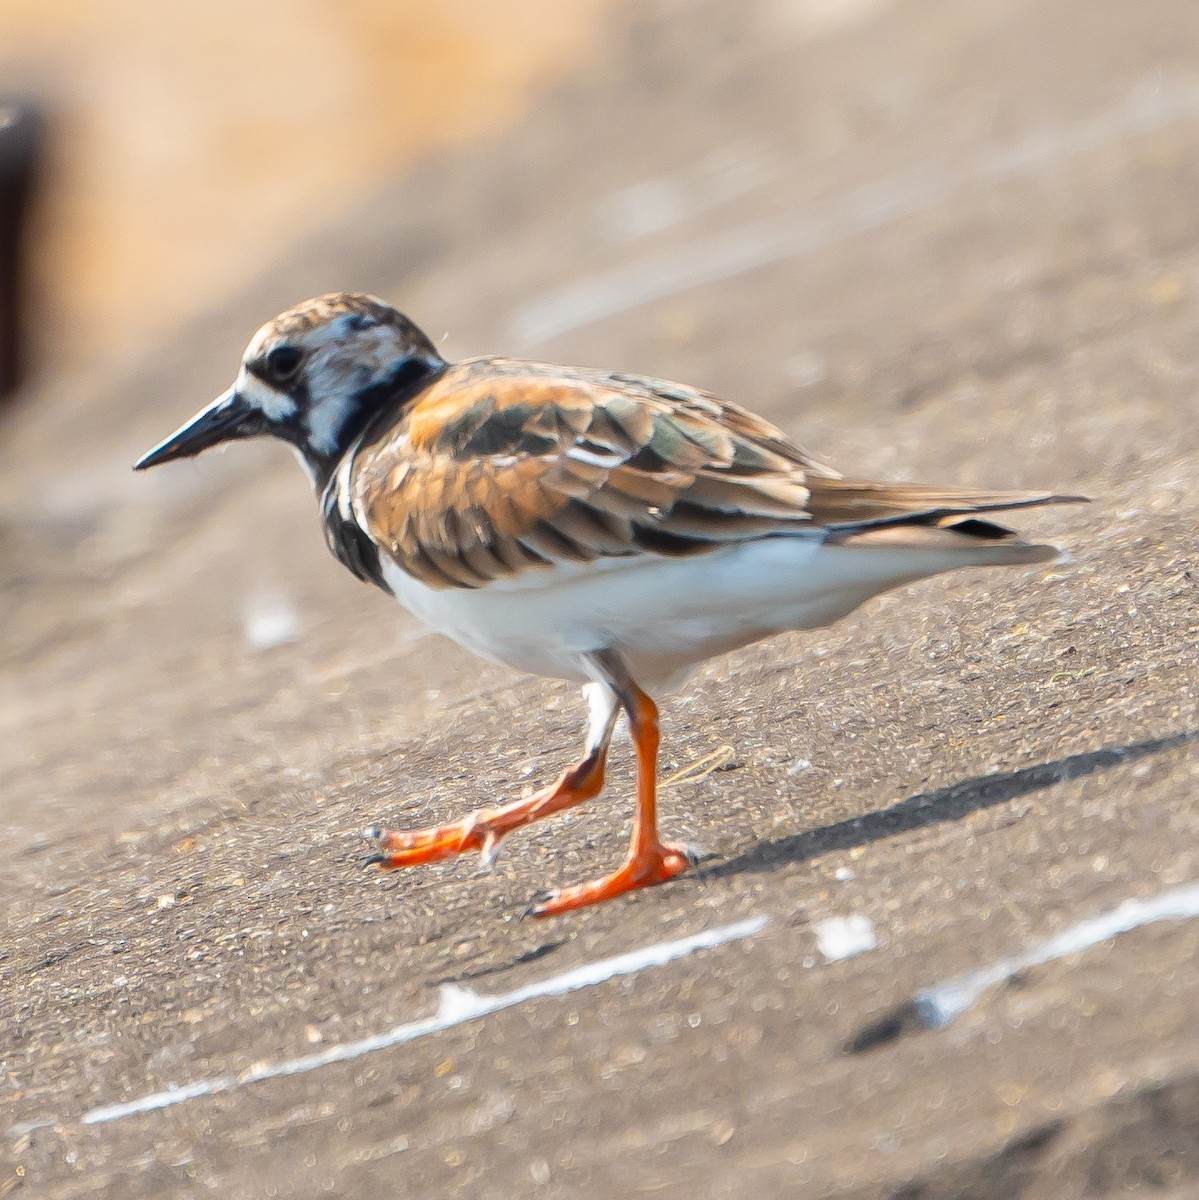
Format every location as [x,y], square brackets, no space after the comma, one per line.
[21,133]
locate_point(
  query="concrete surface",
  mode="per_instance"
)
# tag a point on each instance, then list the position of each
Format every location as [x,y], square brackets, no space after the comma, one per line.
[934,240]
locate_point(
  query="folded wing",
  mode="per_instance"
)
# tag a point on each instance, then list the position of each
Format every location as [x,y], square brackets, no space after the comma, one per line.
[503,467]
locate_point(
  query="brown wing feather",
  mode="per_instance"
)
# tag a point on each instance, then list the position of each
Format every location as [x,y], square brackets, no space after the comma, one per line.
[502,466]
[860,502]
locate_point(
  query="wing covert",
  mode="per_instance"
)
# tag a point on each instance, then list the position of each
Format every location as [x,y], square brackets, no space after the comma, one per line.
[502,467]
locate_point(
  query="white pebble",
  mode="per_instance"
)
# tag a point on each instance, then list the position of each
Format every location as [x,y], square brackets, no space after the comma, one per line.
[271,622]
[845,937]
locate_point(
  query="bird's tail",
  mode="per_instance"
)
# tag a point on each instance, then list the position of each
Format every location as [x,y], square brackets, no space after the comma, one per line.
[936,521]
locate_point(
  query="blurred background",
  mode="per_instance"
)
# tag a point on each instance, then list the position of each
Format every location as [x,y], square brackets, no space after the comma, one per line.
[935,240]
[189,147]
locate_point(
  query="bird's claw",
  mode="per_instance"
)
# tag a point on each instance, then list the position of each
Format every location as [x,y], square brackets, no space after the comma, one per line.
[536,904]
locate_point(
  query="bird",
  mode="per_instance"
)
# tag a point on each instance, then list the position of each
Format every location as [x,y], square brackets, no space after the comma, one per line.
[609,529]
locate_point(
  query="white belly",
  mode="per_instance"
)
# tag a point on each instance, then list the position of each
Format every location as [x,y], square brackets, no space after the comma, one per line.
[663,614]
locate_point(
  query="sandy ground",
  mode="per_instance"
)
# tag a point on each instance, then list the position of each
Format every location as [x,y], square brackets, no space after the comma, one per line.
[934,240]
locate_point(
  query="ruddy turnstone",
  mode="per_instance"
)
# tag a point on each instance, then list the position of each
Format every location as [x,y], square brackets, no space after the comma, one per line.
[610,529]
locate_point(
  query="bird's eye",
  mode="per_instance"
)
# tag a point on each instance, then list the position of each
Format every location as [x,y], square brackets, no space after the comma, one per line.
[283,362]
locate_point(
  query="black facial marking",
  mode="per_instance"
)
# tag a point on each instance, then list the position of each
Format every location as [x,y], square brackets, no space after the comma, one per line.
[349,544]
[396,386]
[383,400]
[379,403]
[374,405]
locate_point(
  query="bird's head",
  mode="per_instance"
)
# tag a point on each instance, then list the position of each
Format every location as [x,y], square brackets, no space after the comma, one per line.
[314,376]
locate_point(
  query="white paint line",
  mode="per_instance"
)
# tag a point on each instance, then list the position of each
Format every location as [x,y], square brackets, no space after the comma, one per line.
[939,1005]
[1150,106]
[456,1006]
[653,205]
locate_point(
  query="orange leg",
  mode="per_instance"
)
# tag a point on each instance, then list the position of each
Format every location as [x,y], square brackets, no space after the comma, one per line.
[650,860]
[484,829]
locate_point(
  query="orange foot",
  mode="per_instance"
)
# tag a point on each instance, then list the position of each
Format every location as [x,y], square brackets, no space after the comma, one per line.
[483,830]
[656,864]
[419,846]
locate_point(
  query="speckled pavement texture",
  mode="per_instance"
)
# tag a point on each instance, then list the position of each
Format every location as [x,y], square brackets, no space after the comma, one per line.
[940,241]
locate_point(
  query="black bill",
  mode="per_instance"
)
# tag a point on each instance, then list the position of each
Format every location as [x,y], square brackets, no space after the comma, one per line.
[224,420]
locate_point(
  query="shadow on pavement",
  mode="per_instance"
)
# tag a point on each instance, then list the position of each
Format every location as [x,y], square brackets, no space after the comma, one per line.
[945,804]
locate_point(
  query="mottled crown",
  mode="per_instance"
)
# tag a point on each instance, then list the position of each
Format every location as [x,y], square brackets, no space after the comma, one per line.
[344,312]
